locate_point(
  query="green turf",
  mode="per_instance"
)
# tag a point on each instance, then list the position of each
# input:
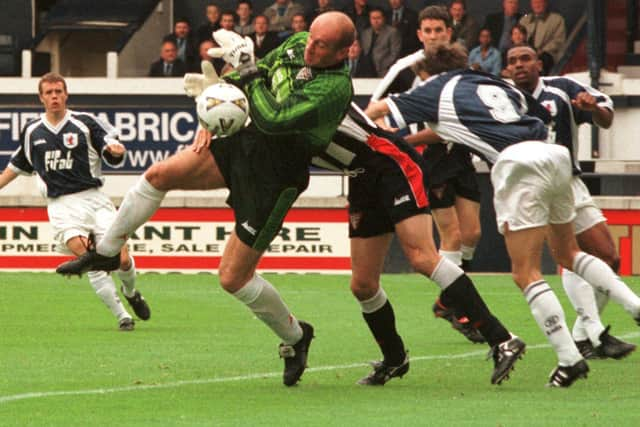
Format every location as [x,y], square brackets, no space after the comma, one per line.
[203,360]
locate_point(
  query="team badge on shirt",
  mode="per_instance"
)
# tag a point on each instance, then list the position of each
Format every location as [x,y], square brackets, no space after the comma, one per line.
[551,106]
[305,73]
[70,140]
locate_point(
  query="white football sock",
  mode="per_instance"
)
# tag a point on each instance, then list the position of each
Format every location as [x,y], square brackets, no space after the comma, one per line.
[139,204]
[445,273]
[374,303]
[103,284]
[453,256]
[599,275]
[128,278]
[601,299]
[547,311]
[467,252]
[588,324]
[265,302]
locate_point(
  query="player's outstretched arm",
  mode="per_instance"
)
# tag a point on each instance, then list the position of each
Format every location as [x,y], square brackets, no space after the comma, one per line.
[116,149]
[425,136]
[602,116]
[377,110]
[6,177]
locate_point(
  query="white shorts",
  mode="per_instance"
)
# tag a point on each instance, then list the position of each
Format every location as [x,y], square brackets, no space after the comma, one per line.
[588,214]
[79,214]
[532,186]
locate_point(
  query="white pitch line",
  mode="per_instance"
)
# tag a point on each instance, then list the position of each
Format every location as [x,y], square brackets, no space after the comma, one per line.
[38,395]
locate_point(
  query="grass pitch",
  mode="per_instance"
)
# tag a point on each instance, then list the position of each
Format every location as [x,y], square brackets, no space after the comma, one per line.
[204,360]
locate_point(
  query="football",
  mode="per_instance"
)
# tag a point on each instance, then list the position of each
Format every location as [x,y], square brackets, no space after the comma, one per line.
[223,109]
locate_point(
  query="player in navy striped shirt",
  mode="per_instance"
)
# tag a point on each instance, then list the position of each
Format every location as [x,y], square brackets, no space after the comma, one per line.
[572,104]
[531,179]
[64,148]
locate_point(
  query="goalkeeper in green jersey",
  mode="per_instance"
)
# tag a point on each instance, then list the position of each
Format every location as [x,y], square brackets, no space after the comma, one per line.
[298,95]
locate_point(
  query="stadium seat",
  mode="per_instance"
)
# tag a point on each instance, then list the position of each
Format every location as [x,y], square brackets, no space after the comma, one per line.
[8,55]
[115,15]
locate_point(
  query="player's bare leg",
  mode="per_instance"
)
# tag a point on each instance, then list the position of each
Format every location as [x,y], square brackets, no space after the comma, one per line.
[595,271]
[591,336]
[525,250]
[367,262]
[238,276]
[186,170]
[127,275]
[104,286]
[468,212]
[448,225]
[458,291]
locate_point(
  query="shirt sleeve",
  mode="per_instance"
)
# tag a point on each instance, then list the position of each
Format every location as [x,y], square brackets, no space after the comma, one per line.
[414,106]
[20,161]
[400,65]
[103,135]
[573,88]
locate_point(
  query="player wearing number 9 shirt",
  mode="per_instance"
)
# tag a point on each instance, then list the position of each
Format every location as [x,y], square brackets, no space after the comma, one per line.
[531,179]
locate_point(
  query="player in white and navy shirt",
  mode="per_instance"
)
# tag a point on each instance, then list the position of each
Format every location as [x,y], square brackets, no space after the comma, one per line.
[65,149]
[387,195]
[531,179]
[571,104]
[68,156]
[453,189]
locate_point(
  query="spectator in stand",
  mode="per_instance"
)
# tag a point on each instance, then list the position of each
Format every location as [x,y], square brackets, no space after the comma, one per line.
[244,24]
[381,43]
[169,65]
[465,29]
[501,23]
[228,20]
[218,63]
[263,40]
[547,33]
[280,13]
[359,14]
[299,23]
[183,39]
[518,38]
[353,59]
[485,57]
[405,21]
[206,30]
[321,7]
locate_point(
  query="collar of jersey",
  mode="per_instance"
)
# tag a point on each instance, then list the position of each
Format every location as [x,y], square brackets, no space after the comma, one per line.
[56,129]
[538,90]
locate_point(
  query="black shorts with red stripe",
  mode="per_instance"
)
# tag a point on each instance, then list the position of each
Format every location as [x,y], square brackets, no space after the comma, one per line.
[387,188]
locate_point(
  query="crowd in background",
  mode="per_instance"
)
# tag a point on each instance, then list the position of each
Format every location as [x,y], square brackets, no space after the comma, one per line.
[384,35]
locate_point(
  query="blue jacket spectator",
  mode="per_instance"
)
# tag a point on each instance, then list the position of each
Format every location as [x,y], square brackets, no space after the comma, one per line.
[485,57]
